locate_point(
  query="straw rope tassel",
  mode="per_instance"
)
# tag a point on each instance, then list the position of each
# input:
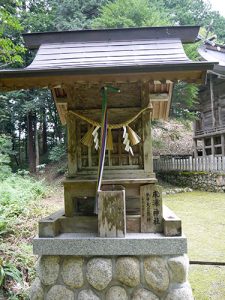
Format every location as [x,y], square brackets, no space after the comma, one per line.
[109,145]
[87,139]
[133,137]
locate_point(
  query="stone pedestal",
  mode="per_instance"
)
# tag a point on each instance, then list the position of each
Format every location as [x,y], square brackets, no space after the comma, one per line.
[87,267]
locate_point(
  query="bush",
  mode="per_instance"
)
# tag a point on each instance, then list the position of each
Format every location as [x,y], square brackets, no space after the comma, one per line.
[16,193]
[19,195]
[5,151]
[57,153]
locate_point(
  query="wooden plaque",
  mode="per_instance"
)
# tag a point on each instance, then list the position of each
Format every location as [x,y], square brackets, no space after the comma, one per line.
[151,208]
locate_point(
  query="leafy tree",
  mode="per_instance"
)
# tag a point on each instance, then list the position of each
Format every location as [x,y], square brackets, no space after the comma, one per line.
[218,25]
[185,98]
[188,12]
[75,14]
[38,16]
[132,13]
[11,48]
[52,15]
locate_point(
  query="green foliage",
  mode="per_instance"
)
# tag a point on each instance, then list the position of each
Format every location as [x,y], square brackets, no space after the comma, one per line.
[5,151]
[16,193]
[132,13]
[8,271]
[188,12]
[57,153]
[185,98]
[62,170]
[157,143]
[76,14]
[10,28]
[218,26]
[21,227]
[37,16]
[52,15]
[191,51]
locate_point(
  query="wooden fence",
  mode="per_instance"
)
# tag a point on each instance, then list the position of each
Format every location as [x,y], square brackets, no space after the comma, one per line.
[204,163]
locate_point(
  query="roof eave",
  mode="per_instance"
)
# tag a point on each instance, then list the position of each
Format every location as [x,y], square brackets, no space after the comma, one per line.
[187,34]
[192,66]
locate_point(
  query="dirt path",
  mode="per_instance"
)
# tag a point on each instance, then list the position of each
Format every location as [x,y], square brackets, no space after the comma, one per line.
[55,199]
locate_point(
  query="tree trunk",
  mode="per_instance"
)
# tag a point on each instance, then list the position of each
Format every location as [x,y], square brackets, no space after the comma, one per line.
[44,134]
[31,142]
[37,158]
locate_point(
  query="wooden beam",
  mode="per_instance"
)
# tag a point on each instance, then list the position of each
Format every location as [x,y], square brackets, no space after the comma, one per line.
[169,100]
[72,145]
[45,80]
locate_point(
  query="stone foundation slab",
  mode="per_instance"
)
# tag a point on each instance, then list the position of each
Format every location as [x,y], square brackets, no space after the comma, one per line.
[91,245]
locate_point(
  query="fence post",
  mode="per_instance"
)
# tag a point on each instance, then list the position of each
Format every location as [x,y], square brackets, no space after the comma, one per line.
[219,164]
[190,163]
[215,164]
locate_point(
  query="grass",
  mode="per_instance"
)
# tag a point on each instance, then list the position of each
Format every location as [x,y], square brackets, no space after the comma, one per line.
[203,223]
[20,208]
[207,282]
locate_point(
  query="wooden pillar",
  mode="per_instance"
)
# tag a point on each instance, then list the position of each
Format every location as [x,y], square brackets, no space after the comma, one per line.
[195,148]
[203,147]
[147,135]
[212,146]
[147,143]
[212,101]
[72,145]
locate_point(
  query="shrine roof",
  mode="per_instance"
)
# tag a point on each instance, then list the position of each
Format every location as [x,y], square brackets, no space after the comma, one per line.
[155,52]
[211,51]
[187,34]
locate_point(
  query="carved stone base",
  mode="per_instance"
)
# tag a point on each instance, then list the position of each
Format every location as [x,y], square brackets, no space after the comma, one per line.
[141,266]
[112,278]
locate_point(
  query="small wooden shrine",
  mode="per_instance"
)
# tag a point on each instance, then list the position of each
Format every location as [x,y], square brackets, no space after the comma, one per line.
[108,85]
[209,129]
[114,239]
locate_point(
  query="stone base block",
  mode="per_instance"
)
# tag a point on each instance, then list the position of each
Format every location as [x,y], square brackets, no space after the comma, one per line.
[87,244]
[86,267]
[112,278]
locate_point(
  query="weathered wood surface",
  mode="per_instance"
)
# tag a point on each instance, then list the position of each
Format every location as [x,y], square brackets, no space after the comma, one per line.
[85,186]
[171,223]
[51,227]
[111,213]
[211,120]
[151,208]
[72,145]
[146,130]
